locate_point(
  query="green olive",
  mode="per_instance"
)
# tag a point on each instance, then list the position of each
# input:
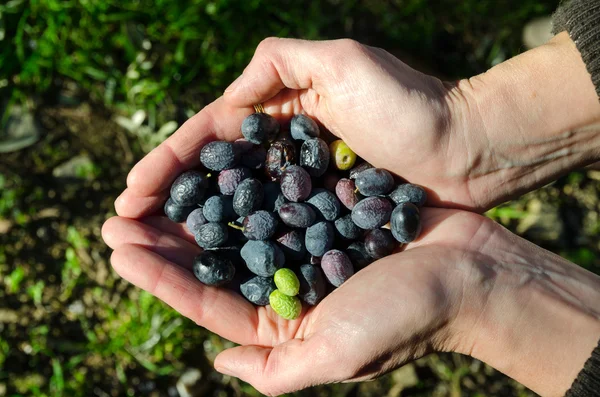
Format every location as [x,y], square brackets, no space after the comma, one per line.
[288,307]
[287,282]
[344,157]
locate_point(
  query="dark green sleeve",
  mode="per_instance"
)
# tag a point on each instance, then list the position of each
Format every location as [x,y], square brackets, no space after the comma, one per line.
[587,383]
[581,19]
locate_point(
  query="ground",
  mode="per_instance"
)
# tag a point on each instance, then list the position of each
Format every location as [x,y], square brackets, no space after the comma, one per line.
[68,325]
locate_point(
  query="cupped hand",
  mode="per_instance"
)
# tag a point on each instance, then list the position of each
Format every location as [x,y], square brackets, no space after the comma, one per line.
[393,311]
[390,114]
[467,285]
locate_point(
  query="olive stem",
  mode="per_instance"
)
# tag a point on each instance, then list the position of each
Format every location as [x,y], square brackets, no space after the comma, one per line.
[233,225]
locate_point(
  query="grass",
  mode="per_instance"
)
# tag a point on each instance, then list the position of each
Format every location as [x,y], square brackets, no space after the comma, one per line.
[109,80]
[166,57]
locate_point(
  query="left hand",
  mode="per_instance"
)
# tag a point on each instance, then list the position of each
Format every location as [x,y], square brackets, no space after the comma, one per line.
[468,285]
[392,312]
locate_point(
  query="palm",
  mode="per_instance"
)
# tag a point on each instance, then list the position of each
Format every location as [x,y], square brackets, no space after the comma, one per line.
[384,305]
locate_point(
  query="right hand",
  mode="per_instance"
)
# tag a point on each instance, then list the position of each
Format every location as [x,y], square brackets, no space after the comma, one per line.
[391,115]
[472,144]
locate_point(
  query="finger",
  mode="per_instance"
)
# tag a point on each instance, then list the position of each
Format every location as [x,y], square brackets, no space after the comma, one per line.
[129,204]
[287,103]
[217,309]
[166,225]
[296,64]
[290,366]
[118,232]
[180,152]
[158,234]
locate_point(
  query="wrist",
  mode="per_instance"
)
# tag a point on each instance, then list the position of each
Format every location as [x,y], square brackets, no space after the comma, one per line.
[531,315]
[524,121]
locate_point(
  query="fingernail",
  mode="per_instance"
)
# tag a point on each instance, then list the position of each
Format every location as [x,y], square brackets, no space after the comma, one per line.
[234,85]
[225,371]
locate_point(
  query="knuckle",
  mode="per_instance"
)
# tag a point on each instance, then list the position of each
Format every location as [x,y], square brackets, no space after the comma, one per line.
[347,48]
[267,44]
[267,56]
[350,45]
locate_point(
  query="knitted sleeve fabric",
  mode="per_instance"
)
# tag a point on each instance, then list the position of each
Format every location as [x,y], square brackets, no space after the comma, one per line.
[581,19]
[587,383]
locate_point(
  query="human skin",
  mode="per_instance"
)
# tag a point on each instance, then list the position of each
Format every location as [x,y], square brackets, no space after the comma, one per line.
[472,144]
[467,285]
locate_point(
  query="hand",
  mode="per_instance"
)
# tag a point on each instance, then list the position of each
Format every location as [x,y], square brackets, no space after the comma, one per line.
[472,144]
[468,285]
[392,312]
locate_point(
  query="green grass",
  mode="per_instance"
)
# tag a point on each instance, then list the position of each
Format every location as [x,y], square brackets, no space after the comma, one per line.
[71,325]
[161,56]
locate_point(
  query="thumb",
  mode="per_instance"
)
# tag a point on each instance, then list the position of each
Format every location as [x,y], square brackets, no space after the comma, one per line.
[290,366]
[291,63]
